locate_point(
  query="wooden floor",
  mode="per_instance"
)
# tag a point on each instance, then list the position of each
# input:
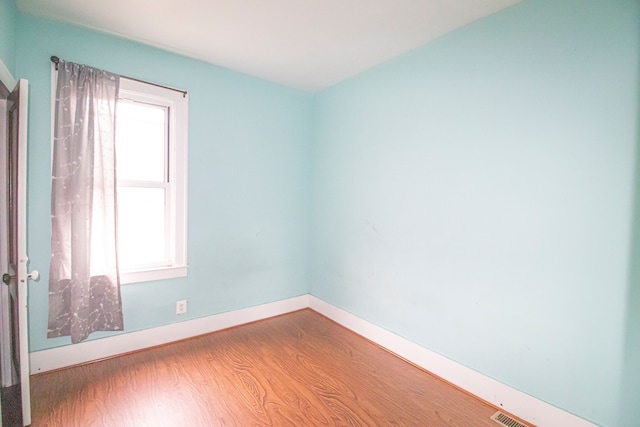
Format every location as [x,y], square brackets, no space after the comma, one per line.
[299,369]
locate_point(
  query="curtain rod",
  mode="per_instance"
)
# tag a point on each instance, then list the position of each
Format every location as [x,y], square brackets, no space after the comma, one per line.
[57,60]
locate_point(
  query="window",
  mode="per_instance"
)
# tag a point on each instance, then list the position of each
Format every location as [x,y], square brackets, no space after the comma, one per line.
[151,159]
[151,151]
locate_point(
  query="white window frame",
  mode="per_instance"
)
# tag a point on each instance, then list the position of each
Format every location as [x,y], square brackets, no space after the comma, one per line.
[178,103]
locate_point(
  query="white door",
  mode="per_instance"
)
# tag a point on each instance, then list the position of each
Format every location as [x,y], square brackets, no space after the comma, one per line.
[15,402]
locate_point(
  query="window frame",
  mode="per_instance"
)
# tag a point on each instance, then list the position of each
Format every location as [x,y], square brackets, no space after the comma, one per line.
[176,205]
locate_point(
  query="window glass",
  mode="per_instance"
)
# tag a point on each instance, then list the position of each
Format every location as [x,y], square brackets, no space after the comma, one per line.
[141,141]
[141,228]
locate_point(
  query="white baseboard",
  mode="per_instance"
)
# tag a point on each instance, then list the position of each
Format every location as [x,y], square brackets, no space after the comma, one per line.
[511,400]
[87,351]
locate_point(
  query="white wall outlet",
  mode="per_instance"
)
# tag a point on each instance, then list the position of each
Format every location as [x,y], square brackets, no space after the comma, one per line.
[181,306]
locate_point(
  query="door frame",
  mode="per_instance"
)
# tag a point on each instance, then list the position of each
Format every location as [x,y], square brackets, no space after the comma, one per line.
[8,83]
[6,373]
[21,232]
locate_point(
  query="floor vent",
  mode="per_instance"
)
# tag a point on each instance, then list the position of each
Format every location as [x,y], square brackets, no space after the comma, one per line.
[506,421]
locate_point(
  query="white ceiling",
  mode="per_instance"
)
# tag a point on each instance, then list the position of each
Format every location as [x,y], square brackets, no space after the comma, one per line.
[306,44]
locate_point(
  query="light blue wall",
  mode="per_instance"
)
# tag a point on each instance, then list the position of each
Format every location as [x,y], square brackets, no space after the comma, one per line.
[475,197]
[8,34]
[249,147]
[630,394]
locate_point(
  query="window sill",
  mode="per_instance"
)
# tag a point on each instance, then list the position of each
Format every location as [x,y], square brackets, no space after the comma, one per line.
[153,274]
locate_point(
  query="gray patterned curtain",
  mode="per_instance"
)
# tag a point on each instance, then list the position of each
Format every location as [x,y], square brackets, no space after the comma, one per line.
[84,288]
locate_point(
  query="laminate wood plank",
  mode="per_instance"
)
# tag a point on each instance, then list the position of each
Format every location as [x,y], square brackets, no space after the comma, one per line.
[298,369]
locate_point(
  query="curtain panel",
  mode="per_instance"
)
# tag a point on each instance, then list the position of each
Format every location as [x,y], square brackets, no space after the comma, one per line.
[84,288]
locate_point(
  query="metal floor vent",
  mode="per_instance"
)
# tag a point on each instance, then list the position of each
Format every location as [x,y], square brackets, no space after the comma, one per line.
[505,420]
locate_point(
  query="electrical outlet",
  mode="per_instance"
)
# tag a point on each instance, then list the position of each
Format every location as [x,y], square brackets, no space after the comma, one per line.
[181,306]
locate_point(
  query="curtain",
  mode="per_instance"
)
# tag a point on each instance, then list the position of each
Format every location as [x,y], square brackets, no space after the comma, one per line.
[84,288]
